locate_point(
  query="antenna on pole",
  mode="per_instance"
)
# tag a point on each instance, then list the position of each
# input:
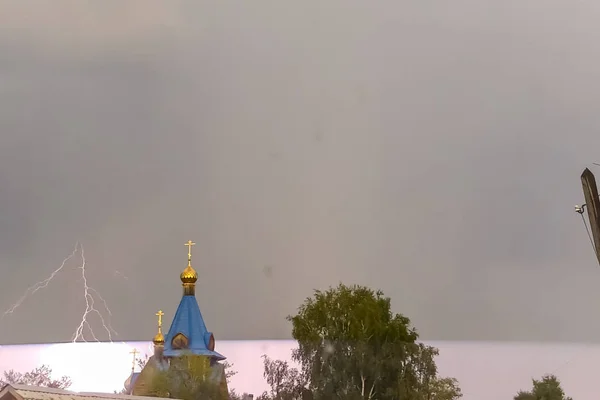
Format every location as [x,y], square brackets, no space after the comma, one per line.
[592,204]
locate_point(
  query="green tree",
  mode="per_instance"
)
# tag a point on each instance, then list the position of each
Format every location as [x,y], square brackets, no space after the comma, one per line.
[285,382]
[352,346]
[233,395]
[445,389]
[548,388]
[229,371]
[41,376]
[188,378]
[227,366]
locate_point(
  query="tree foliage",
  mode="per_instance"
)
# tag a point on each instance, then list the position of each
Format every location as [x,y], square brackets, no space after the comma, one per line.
[352,346]
[233,395]
[547,388]
[444,389]
[188,378]
[228,367]
[41,376]
[229,371]
[285,382]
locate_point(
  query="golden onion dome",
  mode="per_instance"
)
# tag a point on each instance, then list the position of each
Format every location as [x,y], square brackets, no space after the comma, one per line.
[189,275]
[159,339]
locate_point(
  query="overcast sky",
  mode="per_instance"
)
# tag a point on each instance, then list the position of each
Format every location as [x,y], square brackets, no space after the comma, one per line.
[429,149]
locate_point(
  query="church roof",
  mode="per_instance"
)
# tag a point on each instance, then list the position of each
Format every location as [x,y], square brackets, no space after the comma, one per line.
[189,322]
[24,392]
[130,382]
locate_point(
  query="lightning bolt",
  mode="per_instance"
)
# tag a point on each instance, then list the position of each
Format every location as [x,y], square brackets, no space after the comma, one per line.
[89,294]
[90,308]
[39,285]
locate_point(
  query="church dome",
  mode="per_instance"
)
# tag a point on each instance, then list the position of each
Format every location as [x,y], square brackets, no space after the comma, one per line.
[159,339]
[189,275]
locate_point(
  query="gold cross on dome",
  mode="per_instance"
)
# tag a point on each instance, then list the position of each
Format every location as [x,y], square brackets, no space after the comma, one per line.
[160,314]
[189,244]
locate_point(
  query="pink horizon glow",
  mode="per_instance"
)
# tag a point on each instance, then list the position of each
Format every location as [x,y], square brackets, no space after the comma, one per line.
[491,370]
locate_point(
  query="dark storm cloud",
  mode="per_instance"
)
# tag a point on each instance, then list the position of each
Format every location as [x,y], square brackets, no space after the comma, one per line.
[429,150]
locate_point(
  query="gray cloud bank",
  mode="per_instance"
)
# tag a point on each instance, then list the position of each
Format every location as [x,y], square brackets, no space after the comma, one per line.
[428,149]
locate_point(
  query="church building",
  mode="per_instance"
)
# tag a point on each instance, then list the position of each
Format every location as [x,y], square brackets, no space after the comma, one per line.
[187,336]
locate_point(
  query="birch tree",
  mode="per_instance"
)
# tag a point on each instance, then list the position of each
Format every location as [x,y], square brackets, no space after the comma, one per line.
[352,346]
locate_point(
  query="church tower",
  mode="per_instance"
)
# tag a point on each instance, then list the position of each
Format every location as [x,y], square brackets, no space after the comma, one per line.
[159,339]
[187,335]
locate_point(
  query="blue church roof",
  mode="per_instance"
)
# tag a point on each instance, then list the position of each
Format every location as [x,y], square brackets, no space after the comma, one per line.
[189,322]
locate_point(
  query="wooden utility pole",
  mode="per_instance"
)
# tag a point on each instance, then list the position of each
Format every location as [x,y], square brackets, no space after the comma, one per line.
[592,203]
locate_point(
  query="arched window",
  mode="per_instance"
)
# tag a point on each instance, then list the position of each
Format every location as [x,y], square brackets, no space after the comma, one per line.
[211,343]
[179,342]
